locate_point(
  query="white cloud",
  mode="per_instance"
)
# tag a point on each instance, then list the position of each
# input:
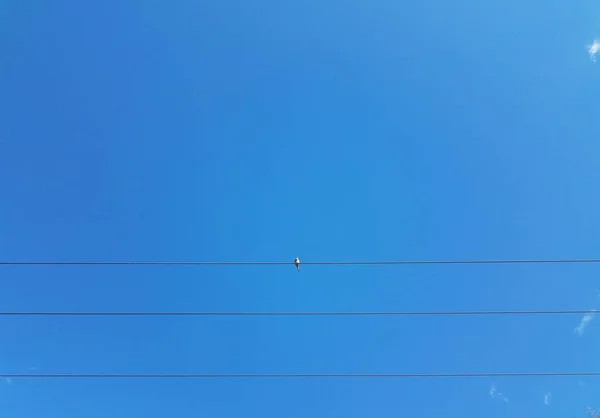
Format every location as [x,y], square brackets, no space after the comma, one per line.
[579,329]
[593,50]
[497,395]
[547,397]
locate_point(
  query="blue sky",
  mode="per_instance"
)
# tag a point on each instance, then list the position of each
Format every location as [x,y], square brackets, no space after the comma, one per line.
[327,130]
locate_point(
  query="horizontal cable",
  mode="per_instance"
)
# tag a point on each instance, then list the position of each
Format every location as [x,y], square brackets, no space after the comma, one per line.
[349,313]
[199,263]
[292,375]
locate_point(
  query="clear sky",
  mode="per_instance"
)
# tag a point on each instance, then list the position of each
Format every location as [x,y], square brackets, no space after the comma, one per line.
[329,130]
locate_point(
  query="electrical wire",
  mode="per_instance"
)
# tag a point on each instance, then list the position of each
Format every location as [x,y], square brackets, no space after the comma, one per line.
[303,375]
[294,375]
[314,313]
[397,262]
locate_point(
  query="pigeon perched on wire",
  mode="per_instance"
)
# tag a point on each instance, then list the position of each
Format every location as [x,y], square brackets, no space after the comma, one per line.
[297,263]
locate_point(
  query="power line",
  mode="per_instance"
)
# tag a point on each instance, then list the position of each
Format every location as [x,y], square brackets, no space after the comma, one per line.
[294,375]
[313,313]
[396,262]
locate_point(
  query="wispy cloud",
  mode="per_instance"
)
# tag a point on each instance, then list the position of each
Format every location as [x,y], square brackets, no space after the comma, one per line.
[547,398]
[497,395]
[579,329]
[593,50]
[8,380]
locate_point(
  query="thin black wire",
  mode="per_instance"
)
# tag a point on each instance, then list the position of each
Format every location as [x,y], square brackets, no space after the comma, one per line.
[348,313]
[397,262]
[292,375]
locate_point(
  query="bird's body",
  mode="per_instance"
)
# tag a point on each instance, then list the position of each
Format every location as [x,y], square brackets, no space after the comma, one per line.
[297,263]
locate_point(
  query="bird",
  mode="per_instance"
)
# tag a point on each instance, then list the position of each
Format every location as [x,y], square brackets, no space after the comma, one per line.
[297,263]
